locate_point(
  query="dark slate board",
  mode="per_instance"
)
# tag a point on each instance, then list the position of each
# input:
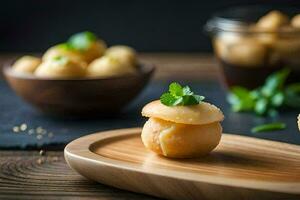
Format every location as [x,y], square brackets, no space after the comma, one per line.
[13,111]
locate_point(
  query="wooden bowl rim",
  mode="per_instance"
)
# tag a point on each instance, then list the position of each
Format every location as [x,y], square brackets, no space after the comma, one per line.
[144,69]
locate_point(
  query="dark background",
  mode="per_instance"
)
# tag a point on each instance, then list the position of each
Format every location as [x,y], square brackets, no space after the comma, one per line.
[34,25]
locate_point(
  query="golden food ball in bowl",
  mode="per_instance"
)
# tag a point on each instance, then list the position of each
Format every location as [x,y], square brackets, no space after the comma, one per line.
[124,54]
[181,131]
[295,21]
[61,67]
[273,21]
[88,45]
[62,50]
[107,66]
[26,64]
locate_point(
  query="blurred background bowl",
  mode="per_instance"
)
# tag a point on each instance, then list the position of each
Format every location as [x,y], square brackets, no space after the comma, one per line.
[246,53]
[82,96]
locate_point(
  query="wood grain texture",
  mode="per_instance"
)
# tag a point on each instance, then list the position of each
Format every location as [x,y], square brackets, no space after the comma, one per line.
[27,175]
[240,167]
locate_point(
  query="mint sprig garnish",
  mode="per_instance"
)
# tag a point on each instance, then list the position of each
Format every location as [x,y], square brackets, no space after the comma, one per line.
[82,41]
[264,100]
[269,127]
[180,96]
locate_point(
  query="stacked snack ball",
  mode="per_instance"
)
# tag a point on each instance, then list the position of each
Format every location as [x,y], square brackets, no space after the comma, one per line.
[181,125]
[88,45]
[26,64]
[61,67]
[107,66]
[124,54]
[181,131]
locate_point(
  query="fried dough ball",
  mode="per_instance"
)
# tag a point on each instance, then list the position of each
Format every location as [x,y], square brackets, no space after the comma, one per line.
[180,140]
[247,53]
[181,131]
[88,45]
[61,67]
[241,51]
[62,50]
[124,54]
[295,21]
[107,66]
[26,64]
[224,41]
[203,113]
[273,21]
[95,50]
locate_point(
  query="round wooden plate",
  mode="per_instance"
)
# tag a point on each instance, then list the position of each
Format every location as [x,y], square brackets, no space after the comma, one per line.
[239,168]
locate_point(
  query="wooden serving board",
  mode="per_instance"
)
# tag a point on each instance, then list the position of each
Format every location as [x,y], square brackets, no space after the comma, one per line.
[239,168]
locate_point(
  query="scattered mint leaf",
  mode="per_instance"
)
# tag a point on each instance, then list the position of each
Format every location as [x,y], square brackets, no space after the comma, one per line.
[168,99]
[275,82]
[82,41]
[269,127]
[187,90]
[175,89]
[179,95]
[265,99]
[292,95]
[261,106]
[241,99]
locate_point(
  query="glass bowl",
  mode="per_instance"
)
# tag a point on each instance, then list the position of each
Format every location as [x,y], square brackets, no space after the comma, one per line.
[248,50]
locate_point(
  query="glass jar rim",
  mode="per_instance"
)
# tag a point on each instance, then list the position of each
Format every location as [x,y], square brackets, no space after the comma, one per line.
[221,23]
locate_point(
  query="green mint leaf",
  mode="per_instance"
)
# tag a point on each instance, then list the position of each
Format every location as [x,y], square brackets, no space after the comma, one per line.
[187,90]
[261,106]
[275,82]
[269,127]
[277,99]
[82,41]
[180,96]
[240,99]
[169,100]
[175,89]
[292,94]
[198,97]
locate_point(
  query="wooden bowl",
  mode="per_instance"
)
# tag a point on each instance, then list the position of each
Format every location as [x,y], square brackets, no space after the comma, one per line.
[79,96]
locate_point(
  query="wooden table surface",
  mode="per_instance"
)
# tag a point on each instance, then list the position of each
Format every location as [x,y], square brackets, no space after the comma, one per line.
[29,175]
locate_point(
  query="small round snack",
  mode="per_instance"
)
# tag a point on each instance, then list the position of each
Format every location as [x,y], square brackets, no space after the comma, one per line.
[124,54]
[272,21]
[88,45]
[295,21]
[202,113]
[107,66]
[61,67]
[181,125]
[62,50]
[26,64]
[247,52]
[180,140]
